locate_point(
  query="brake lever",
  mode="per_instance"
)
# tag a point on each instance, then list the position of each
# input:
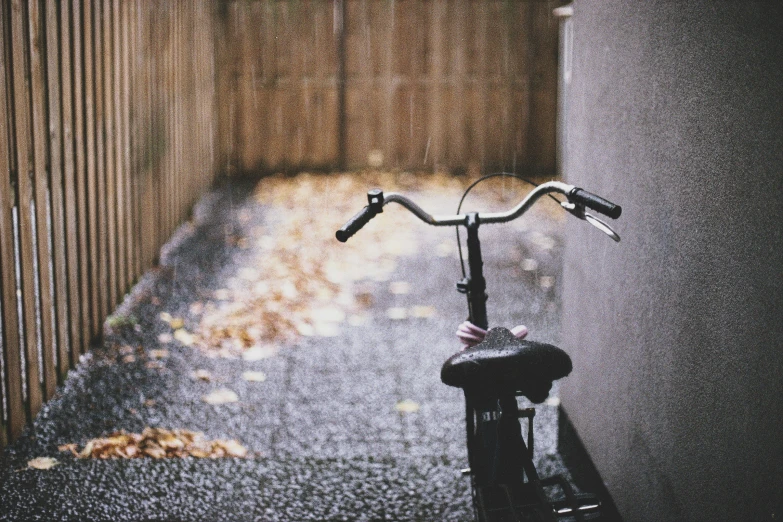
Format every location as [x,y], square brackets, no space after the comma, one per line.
[579,211]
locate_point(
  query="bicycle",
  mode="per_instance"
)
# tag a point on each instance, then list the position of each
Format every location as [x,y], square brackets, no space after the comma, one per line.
[504,482]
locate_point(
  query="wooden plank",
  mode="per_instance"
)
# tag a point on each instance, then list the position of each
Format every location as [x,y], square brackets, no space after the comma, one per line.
[83,151]
[101,232]
[119,143]
[136,143]
[436,146]
[11,349]
[24,150]
[56,173]
[90,103]
[69,71]
[41,193]
[148,130]
[109,230]
[128,53]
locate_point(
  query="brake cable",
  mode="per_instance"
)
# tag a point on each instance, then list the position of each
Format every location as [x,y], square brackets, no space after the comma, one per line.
[465,194]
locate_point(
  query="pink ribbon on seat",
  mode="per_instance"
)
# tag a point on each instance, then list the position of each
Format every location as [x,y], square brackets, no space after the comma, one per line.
[470,335]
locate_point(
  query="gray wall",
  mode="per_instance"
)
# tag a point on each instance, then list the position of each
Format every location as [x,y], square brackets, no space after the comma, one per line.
[675,112]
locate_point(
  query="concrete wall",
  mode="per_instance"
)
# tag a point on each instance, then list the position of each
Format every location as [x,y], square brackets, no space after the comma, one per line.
[676,112]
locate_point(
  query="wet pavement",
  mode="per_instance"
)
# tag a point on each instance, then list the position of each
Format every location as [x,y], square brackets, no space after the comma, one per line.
[326,439]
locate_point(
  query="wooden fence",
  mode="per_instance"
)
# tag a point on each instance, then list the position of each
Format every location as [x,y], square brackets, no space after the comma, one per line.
[107,138]
[408,83]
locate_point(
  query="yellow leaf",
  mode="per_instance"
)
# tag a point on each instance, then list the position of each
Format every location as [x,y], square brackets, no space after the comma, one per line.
[184,337]
[407,406]
[42,463]
[422,312]
[254,376]
[177,323]
[397,313]
[256,353]
[233,448]
[202,375]
[220,396]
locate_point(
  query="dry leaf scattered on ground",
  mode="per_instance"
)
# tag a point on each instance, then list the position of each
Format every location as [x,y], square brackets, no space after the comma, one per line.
[299,279]
[42,463]
[156,443]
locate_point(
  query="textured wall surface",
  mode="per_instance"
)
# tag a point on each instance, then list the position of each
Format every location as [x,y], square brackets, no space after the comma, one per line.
[677,332]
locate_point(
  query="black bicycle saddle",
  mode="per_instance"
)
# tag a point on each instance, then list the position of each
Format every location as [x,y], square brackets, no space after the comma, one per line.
[502,363]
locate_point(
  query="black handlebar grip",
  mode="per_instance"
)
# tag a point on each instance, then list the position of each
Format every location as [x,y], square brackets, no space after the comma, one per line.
[597,203]
[355,223]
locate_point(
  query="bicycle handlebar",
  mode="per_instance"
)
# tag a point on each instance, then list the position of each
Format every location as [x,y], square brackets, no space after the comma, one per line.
[377,200]
[597,203]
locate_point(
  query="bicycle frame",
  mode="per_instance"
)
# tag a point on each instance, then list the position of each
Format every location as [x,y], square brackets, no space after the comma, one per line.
[503,475]
[489,427]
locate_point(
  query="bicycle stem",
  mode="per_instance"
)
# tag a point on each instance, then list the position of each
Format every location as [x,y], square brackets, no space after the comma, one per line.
[475,286]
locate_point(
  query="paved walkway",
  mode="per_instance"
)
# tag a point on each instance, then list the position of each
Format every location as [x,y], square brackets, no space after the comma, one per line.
[326,438]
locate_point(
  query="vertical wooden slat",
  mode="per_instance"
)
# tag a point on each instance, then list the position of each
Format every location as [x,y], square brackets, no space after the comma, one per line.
[120,122]
[127,53]
[152,135]
[69,170]
[41,190]
[90,103]
[13,386]
[136,141]
[101,232]
[54,57]
[24,162]
[83,152]
[110,174]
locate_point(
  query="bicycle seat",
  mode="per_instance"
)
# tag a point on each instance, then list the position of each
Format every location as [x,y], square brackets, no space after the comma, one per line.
[502,363]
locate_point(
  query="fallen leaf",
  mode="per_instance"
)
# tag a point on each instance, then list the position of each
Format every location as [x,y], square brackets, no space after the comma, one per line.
[232,448]
[256,353]
[129,359]
[196,307]
[546,282]
[422,312]
[157,443]
[250,376]
[202,375]
[184,337]
[159,353]
[149,403]
[68,447]
[327,330]
[165,317]
[154,365]
[165,338]
[220,396]
[407,406]
[177,323]
[397,313]
[42,463]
